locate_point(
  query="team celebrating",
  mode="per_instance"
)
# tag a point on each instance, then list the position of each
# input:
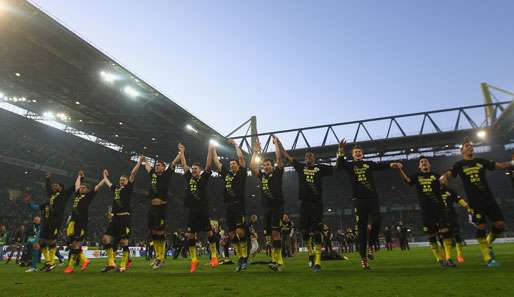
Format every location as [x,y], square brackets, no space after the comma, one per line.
[435,198]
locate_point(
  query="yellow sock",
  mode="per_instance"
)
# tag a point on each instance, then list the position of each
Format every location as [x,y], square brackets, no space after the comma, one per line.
[51,255]
[192,252]
[44,252]
[278,257]
[124,258]
[436,251]
[244,249]
[83,257]
[484,248]
[448,245]
[317,257]
[162,246]
[72,259]
[458,247]
[309,247]
[274,255]
[214,251]
[490,238]
[110,257]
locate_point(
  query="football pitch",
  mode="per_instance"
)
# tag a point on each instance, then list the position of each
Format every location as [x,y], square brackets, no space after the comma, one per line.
[394,273]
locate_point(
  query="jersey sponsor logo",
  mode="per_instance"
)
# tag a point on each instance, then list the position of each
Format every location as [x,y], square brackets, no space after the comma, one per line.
[193,187]
[154,182]
[427,183]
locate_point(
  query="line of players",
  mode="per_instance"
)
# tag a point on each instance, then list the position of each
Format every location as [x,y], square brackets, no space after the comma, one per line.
[435,199]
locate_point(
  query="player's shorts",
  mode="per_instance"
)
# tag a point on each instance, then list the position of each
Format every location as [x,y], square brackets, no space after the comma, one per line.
[487,209]
[272,218]
[76,230]
[365,209]
[198,221]
[311,216]
[119,227]
[157,217]
[50,229]
[430,218]
[235,217]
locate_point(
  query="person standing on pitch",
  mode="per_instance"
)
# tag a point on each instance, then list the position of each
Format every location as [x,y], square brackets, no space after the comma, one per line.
[270,178]
[160,177]
[234,198]
[472,172]
[119,224]
[196,200]
[53,215]
[430,201]
[365,198]
[77,226]
[310,176]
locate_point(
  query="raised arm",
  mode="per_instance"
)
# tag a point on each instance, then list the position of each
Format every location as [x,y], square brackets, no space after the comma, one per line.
[148,166]
[239,153]
[105,173]
[175,161]
[214,157]
[341,160]
[78,181]
[278,153]
[404,175]
[254,166]
[183,162]
[208,162]
[134,171]
[107,182]
[285,154]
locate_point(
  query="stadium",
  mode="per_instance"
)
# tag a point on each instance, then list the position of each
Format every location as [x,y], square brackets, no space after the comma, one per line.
[55,121]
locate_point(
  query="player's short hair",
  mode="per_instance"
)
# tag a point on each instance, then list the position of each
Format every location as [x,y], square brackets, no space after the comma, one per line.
[197,164]
[357,147]
[160,161]
[423,157]
[466,140]
[235,160]
[268,160]
[125,176]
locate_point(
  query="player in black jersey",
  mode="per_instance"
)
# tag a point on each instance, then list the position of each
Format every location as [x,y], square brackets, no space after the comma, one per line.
[310,176]
[234,197]
[270,178]
[449,219]
[196,200]
[119,218]
[472,172]
[77,225]
[365,198]
[432,207]
[160,177]
[53,215]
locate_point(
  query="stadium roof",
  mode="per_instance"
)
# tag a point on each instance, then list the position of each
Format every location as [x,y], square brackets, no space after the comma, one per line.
[53,74]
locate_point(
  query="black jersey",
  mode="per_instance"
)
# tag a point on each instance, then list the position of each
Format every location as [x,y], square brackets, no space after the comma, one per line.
[310,180]
[448,199]
[56,205]
[271,187]
[80,206]
[473,176]
[361,173]
[196,190]
[121,199]
[234,192]
[159,183]
[428,189]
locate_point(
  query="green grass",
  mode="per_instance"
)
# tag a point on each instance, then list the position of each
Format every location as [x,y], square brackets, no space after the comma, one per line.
[394,273]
